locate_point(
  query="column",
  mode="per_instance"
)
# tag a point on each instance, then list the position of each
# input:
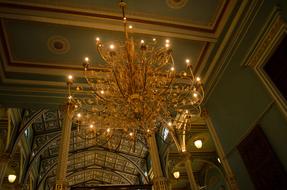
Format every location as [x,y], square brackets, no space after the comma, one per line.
[188,167]
[61,182]
[4,160]
[159,181]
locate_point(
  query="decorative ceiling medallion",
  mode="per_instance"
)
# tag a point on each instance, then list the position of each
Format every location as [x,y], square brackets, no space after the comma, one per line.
[58,45]
[176,4]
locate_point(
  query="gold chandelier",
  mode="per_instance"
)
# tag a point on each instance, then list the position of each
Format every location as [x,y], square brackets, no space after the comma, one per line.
[138,90]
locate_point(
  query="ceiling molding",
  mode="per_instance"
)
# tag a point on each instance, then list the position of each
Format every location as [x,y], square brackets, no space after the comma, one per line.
[108,21]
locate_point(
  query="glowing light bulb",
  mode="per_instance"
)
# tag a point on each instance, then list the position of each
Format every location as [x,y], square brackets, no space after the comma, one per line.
[70,97]
[176,174]
[125,18]
[195,95]
[102,92]
[198,144]
[167,45]
[172,68]
[218,160]
[148,130]
[76,106]
[12,178]
[87,59]
[108,130]
[154,39]
[130,26]
[97,39]
[79,115]
[187,61]
[197,79]
[169,124]
[131,134]
[142,41]
[112,46]
[167,41]
[70,77]
[186,111]
[91,126]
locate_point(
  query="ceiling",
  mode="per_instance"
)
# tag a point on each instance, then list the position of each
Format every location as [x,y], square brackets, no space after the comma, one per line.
[44,41]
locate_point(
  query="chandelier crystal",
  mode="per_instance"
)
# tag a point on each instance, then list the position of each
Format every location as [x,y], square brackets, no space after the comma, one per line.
[137,90]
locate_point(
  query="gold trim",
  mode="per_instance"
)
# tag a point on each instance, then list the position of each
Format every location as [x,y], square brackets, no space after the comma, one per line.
[136,15]
[107,20]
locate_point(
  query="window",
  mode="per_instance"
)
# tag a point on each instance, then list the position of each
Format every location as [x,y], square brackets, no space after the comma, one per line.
[276,68]
[26,133]
[165,133]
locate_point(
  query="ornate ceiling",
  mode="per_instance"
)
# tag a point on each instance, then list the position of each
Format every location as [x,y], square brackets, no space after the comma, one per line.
[44,41]
[118,160]
[92,161]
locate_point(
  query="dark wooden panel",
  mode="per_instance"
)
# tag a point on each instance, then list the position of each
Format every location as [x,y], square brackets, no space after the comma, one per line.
[261,162]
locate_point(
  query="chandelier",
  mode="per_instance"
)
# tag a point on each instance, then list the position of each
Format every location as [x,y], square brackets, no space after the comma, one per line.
[137,90]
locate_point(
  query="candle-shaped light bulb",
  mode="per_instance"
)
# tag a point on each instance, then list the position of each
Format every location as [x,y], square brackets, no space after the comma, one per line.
[70,79]
[112,46]
[172,68]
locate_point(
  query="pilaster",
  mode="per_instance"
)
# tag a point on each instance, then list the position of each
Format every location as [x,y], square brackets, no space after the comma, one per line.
[159,181]
[61,182]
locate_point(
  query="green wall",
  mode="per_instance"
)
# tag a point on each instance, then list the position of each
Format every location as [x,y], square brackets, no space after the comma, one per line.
[240,98]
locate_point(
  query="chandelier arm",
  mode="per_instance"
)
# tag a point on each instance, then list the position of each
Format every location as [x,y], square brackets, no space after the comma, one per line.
[168,87]
[173,76]
[91,85]
[191,73]
[117,82]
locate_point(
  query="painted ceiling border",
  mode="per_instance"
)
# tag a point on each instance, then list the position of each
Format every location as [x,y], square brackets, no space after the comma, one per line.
[110,14]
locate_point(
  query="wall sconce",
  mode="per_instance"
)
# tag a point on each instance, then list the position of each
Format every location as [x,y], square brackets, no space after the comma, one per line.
[12,178]
[198,144]
[176,174]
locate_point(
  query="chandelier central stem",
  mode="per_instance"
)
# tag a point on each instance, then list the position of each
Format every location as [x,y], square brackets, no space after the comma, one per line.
[123,5]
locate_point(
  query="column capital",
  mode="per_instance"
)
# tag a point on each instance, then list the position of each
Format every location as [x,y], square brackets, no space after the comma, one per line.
[160,183]
[61,185]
